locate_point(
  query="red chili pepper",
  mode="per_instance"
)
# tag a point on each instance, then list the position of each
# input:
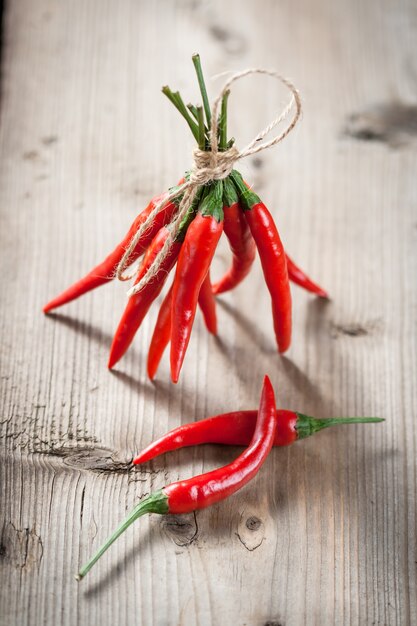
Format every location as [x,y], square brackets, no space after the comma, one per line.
[236,429]
[162,332]
[243,249]
[241,242]
[138,305]
[297,276]
[105,271]
[272,255]
[193,264]
[161,335]
[207,303]
[204,490]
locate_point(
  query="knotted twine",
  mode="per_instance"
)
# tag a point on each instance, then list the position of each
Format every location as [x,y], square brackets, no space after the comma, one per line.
[208,166]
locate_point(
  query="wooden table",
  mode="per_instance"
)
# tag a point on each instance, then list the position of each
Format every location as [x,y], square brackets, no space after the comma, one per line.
[326,533]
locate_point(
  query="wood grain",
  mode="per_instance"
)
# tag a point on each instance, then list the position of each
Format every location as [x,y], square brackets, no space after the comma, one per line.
[326,534]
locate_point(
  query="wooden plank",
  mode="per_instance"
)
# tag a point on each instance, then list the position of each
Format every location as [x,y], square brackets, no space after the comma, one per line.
[86,138]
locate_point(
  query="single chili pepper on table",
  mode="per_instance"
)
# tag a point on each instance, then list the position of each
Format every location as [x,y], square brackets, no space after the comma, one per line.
[193,264]
[236,429]
[105,271]
[272,255]
[206,489]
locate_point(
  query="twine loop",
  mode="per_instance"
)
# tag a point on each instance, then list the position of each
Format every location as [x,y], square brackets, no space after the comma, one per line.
[208,166]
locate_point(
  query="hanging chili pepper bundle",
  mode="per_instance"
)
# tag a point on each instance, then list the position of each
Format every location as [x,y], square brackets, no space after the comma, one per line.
[207,489]
[236,429]
[183,226]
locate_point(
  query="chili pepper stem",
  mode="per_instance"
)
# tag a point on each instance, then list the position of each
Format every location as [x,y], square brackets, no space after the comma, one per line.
[223,122]
[201,135]
[155,503]
[307,426]
[202,85]
[178,103]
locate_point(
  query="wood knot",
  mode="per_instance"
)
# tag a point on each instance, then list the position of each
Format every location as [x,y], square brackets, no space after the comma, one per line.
[181,529]
[251,532]
[253,523]
[393,123]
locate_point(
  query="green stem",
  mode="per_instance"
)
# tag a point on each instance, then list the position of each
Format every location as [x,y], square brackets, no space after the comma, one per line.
[247,197]
[230,196]
[223,122]
[178,103]
[202,85]
[307,426]
[182,108]
[201,133]
[212,203]
[155,503]
[193,110]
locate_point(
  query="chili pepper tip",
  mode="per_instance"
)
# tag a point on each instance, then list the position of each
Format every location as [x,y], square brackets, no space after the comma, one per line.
[49,306]
[111,363]
[323,294]
[114,357]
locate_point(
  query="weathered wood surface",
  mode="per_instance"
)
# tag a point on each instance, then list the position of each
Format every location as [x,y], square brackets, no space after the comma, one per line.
[86,139]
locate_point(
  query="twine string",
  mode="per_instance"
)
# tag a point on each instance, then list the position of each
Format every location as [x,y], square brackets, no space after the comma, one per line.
[208,166]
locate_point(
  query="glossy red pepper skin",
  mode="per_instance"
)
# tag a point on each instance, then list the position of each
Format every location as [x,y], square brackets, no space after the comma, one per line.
[162,331]
[236,429]
[201,491]
[138,305]
[207,303]
[232,429]
[273,259]
[193,264]
[160,336]
[105,271]
[297,276]
[243,249]
[274,266]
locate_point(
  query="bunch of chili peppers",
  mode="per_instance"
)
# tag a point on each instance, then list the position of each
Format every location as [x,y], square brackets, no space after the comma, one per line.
[226,205]
[257,430]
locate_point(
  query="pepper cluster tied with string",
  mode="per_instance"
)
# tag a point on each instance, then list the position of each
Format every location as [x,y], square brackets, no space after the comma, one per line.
[182,227]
